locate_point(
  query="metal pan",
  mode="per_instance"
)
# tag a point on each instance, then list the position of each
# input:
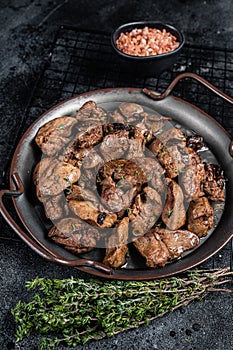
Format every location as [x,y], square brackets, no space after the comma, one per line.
[27,154]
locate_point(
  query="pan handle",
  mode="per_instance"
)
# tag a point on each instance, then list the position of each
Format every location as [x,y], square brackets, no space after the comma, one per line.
[34,245]
[160,96]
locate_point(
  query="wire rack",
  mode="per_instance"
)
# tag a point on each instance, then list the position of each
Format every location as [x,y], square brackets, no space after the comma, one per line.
[83,60]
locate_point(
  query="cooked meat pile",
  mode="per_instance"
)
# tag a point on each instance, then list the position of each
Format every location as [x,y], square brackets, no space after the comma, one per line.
[124,180]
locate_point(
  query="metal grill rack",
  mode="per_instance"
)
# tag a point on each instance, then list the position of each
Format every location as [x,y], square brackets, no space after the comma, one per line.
[82,61]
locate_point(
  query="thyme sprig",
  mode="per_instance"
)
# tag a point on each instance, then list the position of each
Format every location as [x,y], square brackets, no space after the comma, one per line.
[74,311]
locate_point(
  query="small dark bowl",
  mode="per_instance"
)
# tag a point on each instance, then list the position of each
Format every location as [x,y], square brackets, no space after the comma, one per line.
[147,65]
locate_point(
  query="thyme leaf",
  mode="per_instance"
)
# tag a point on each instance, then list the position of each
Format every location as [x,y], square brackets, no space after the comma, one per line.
[79,310]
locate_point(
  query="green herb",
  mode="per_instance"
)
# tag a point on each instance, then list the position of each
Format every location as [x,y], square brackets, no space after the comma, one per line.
[159,132]
[99,180]
[159,224]
[163,154]
[119,168]
[69,189]
[149,177]
[181,137]
[169,212]
[136,172]
[128,210]
[74,311]
[163,151]
[120,183]
[106,167]
[61,127]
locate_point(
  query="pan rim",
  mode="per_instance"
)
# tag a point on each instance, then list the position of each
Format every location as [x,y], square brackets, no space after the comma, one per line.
[117,274]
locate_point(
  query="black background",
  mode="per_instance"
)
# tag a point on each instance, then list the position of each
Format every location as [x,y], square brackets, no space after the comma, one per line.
[27,30]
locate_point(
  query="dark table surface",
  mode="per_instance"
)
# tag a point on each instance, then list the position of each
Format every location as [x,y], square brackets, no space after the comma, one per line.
[27,29]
